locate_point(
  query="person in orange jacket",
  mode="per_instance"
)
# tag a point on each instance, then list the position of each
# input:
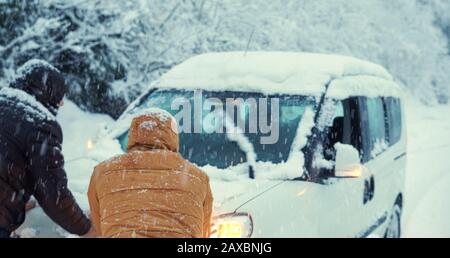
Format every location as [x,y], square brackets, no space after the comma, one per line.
[151,191]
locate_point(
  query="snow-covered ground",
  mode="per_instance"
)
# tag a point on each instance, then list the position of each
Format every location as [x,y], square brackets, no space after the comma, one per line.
[427,204]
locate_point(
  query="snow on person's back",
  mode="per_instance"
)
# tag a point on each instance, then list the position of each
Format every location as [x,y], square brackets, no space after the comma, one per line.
[27,102]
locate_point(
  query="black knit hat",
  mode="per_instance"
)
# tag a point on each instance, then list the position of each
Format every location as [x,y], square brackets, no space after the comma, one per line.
[43,81]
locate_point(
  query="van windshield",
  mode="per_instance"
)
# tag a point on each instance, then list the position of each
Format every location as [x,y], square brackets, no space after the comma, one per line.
[269,122]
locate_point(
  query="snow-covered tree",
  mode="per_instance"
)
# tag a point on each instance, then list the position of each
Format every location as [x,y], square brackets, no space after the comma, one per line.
[111,50]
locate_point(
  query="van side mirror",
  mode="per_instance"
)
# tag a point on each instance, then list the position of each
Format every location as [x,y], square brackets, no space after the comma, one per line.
[348,163]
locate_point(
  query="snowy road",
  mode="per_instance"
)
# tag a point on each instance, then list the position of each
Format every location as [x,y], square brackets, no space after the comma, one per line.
[427,205]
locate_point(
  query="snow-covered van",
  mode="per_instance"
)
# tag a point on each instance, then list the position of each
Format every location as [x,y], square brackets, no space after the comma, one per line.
[315,145]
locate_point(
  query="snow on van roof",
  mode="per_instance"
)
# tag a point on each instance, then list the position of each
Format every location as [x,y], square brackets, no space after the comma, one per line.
[273,72]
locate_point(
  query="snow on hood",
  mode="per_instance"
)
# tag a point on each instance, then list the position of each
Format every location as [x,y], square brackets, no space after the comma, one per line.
[233,183]
[34,109]
[266,72]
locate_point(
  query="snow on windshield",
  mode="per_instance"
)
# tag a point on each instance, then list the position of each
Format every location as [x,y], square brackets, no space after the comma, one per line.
[235,134]
[292,168]
[296,122]
[270,142]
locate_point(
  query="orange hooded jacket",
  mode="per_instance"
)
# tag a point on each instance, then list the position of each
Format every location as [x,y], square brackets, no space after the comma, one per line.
[150,191]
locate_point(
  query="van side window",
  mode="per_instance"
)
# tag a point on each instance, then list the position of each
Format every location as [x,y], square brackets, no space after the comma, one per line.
[352,124]
[345,127]
[376,126]
[394,117]
[335,131]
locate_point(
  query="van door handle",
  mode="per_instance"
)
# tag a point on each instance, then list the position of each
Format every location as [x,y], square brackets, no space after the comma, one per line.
[369,189]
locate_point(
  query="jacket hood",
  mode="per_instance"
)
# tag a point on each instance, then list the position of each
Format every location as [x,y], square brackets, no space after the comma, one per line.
[154,130]
[43,81]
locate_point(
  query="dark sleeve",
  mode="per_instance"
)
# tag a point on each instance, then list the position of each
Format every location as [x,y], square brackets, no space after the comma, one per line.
[48,180]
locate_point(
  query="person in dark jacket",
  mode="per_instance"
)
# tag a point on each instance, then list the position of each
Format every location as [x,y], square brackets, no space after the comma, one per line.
[31,162]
